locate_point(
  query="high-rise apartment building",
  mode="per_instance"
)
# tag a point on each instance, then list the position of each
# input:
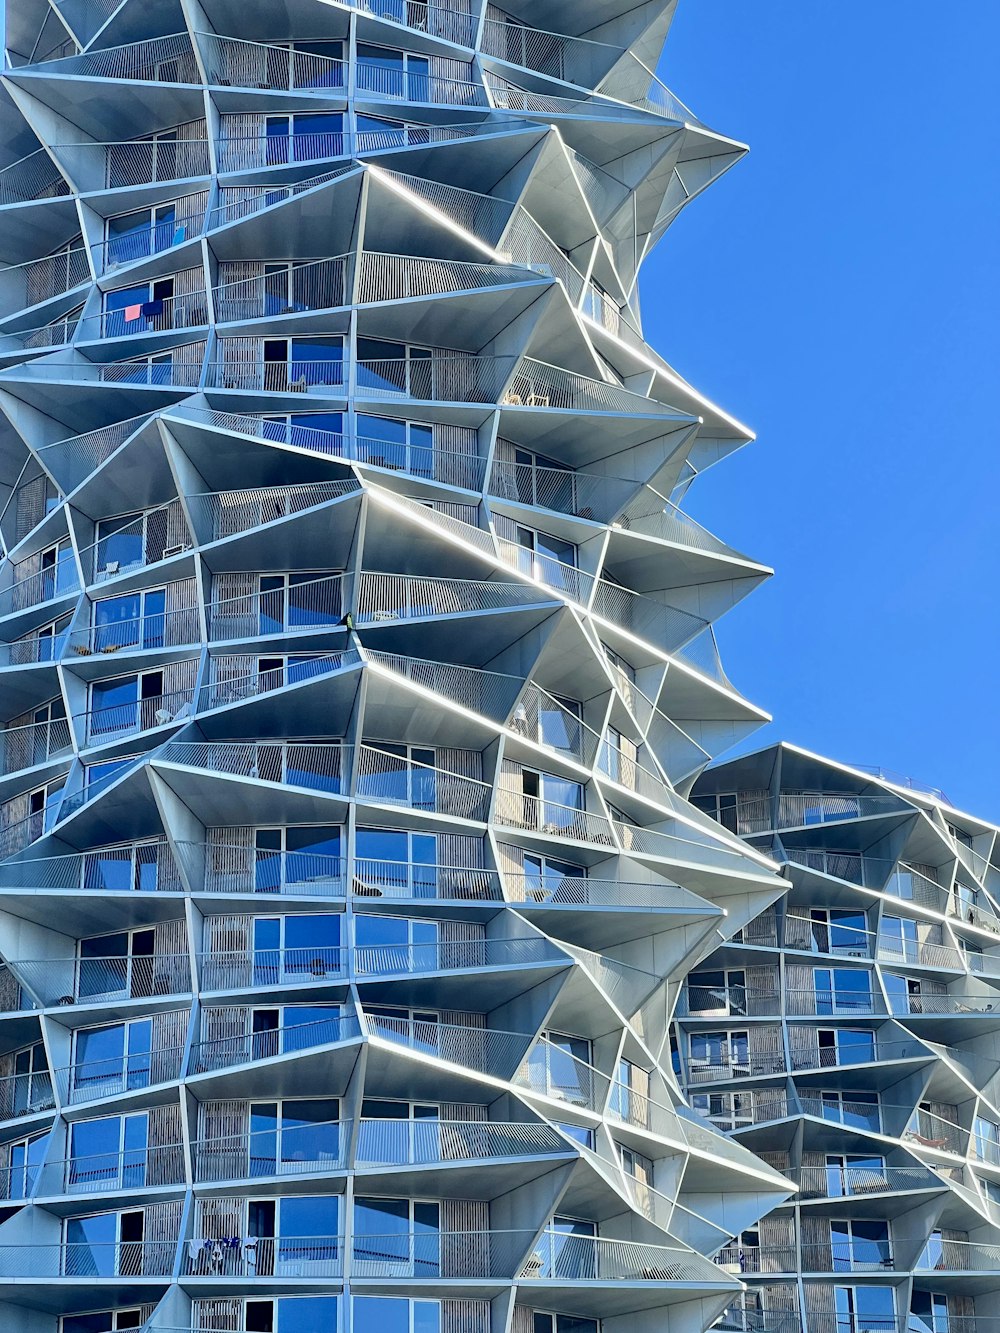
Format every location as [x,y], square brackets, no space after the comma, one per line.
[850,1035]
[355,662]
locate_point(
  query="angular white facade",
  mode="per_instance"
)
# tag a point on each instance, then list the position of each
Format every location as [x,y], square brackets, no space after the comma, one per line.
[355,663]
[851,1036]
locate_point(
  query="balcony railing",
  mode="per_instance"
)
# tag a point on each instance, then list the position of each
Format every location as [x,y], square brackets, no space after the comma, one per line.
[160,60]
[188,222]
[534,813]
[318,1148]
[96,980]
[411,85]
[143,866]
[567,1258]
[832,1182]
[271,967]
[456,469]
[412,881]
[252,152]
[231,63]
[26,1094]
[175,628]
[39,280]
[393,597]
[384,778]
[116,166]
[38,587]
[34,743]
[33,177]
[486,1050]
[238,675]
[223,514]
[878,1053]
[856,869]
[570,891]
[821,1002]
[111,1172]
[168,314]
[260,376]
[368,962]
[847,1257]
[318,766]
[550,1071]
[81,1259]
[758,1258]
[422,1142]
[582,494]
[251,1047]
[299,608]
[265,1256]
[796,809]
[438,20]
[734,1001]
[439,1255]
[320,284]
[156,710]
[303,874]
[941,1005]
[87,452]
[93,1080]
[960,1256]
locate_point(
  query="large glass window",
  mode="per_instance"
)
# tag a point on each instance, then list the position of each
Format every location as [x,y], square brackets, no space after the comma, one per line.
[393,861]
[296,858]
[108,1153]
[113,1057]
[134,620]
[403,446]
[391,73]
[395,944]
[862,1244]
[295,948]
[396,1237]
[868,1309]
[394,1314]
[294,1136]
[841,990]
[304,137]
[144,232]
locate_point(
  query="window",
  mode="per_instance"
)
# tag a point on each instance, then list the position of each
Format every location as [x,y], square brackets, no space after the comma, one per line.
[32,1086]
[550,803]
[284,1314]
[143,232]
[845,1046]
[717,991]
[319,431]
[108,1153]
[149,307]
[402,446]
[578,1133]
[292,1137]
[115,1057]
[720,806]
[397,1132]
[46,736]
[56,575]
[396,1237]
[726,1051]
[928,1312]
[105,1244]
[304,137]
[839,932]
[297,601]
[287,949]
[101,1321]
[118,964]
[854,1173]
[43,807]
[619,758]
[285,287]
[395,861]
[395,944]
[120,869]
[571,1253]
[865,1309]
[297,858]
[841,990]
[134,620]
[25,1157]
[395,368]
[279,1029]
[303,363]
[728,1110]
[394,1314]
[391,73]
[302,1232]
[542,1322]
[568,1073]
[550,560]
[130,703]
[400,774]
[858,1109]
[987,1134]
[48,642]
[858,1244]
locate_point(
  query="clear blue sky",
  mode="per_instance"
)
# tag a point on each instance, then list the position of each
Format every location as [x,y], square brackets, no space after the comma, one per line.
[839,290]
